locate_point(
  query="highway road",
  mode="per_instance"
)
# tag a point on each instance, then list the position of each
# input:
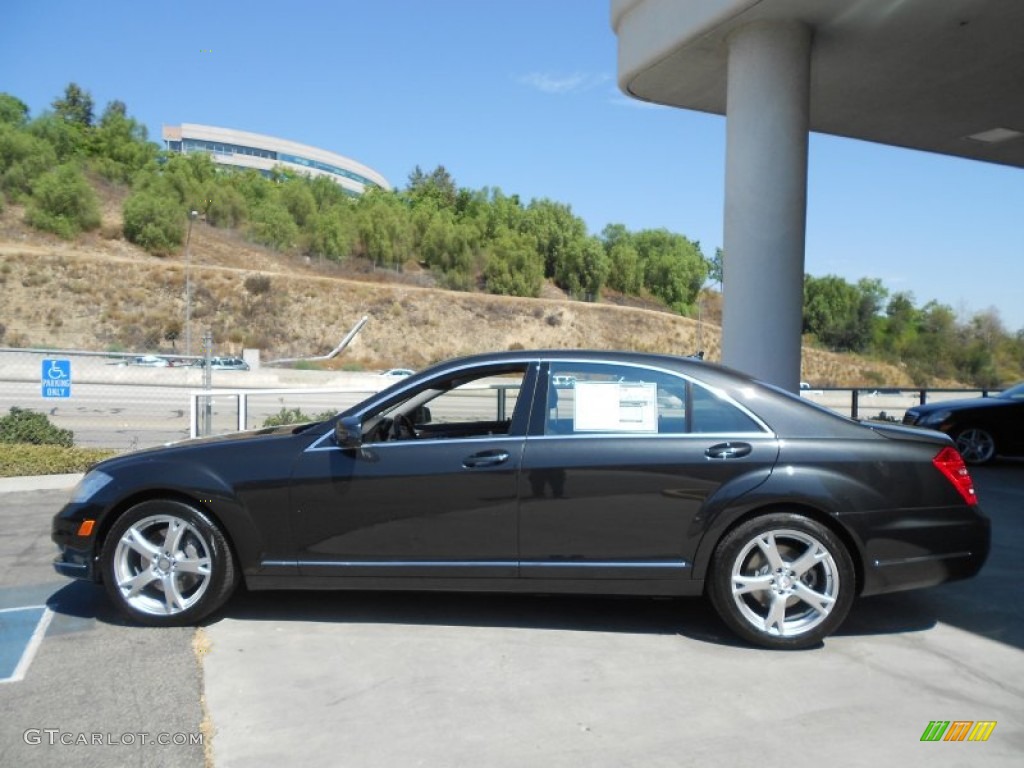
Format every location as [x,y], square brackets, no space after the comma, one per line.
[130,407]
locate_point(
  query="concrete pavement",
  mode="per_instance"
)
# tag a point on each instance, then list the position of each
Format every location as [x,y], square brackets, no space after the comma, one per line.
[379,680]
[364,680]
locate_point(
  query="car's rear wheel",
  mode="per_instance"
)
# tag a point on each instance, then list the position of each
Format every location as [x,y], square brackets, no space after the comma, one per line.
[782,581]
[165,563]
[976,445]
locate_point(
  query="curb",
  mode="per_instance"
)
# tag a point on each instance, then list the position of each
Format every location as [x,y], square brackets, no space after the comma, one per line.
[39,482]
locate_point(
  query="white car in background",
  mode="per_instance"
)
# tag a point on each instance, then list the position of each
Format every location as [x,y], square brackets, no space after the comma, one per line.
[146,361]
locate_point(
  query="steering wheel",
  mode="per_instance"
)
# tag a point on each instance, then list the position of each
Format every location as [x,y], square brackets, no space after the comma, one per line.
[402,428]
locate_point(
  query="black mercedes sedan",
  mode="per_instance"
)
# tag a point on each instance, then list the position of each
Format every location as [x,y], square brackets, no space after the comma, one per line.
[981,427]
[542,472]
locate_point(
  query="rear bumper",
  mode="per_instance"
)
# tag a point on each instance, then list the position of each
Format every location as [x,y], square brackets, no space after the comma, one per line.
[923,548]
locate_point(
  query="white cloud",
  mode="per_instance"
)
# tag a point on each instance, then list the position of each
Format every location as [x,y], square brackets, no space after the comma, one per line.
[548,82]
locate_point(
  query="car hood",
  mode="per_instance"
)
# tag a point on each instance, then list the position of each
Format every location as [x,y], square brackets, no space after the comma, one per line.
[251,435]
[959,405]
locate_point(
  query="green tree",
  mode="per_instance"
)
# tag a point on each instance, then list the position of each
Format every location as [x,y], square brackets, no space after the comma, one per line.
[555,232]
[715,267]
[438,186]
[332,233]
[75,107]
[674,267]
[514,267]
[625,272]
[225,205]
[834,312]
[447,247]
[154,219]
[190,177]
[23,159]
[583,268]
[63,202]
[384,228]
[120,145]
[271,224]
[298,200]
[67,140]
[13,111]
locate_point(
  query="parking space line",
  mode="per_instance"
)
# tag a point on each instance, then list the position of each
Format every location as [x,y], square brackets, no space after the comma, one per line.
[22,627]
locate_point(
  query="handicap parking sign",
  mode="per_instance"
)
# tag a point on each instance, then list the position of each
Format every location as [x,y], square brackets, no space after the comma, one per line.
[56,378]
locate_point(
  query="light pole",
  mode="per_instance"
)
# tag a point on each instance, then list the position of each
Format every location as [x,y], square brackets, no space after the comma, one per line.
[188,285]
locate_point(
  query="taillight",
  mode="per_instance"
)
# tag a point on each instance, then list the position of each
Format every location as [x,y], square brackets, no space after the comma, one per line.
[951,464]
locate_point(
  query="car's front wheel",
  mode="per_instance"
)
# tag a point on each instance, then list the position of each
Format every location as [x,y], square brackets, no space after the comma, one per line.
[782,581]
[165,563]
[976,445]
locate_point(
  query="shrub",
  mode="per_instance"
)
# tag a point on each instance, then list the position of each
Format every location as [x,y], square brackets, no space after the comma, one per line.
[225,206]
[294,416]
[17,460]
[63,202]
[272,225]
[154,221]
[23,159]
[24,426]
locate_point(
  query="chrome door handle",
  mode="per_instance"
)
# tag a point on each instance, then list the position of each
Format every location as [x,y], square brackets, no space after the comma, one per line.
[485,459]
[728,450]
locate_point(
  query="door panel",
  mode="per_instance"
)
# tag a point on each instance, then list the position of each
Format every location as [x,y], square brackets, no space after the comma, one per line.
[619,463]
[427,507]
[622,507]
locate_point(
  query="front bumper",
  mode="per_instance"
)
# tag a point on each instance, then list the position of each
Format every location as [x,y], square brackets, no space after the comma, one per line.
[77,556]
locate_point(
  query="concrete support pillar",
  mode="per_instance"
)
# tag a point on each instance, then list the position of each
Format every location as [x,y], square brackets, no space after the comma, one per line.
[766,200]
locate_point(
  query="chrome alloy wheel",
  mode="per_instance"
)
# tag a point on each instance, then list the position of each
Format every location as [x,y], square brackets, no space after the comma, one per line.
[162,565]
[976,446]
[784,583]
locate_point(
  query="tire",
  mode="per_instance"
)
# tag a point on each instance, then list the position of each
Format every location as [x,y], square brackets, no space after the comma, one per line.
[782,581]
[166,564]
[977,446]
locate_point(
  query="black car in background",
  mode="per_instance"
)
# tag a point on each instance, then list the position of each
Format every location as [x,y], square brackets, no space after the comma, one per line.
[541,472]
[981,427]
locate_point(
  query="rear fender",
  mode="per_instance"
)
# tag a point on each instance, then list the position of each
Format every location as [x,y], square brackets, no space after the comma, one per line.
[818,492]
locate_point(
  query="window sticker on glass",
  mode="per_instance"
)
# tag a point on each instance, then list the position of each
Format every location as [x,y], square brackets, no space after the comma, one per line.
[615,406]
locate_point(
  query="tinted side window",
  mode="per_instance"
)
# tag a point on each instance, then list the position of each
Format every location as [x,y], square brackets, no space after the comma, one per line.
[709,413]
[590,398]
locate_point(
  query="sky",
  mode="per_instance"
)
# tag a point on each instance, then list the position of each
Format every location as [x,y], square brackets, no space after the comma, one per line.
[521,95]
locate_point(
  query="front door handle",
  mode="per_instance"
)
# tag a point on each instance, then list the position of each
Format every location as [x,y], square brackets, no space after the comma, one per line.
[485,459]
[728,450]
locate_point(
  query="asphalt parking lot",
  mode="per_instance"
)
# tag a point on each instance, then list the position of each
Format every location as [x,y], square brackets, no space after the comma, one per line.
[365,680]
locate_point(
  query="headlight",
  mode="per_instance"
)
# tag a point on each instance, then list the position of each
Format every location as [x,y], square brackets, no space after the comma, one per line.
[934,419]
[89,486]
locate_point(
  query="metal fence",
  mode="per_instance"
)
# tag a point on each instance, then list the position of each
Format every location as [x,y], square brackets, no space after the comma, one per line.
[125,401]
[129,401]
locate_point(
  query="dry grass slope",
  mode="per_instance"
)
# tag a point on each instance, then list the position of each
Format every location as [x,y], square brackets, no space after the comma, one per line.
[102,293]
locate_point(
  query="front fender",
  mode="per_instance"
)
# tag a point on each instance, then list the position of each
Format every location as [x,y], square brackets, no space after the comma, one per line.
[197,484]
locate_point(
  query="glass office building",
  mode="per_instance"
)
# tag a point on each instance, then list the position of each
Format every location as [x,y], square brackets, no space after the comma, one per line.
[241,149]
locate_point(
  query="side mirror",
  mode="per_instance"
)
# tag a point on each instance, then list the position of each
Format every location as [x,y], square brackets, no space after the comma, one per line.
[348,432]
[421,415]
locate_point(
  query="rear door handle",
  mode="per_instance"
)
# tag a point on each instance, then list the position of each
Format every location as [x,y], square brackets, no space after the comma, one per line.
[728,450]
[485,459]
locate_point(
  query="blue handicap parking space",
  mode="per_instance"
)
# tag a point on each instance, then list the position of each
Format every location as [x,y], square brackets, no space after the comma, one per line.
[21,632]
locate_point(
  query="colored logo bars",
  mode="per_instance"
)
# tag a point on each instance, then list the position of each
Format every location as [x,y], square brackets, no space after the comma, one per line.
[958,730]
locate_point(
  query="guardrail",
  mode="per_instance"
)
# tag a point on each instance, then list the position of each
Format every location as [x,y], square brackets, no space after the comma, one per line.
[879,403]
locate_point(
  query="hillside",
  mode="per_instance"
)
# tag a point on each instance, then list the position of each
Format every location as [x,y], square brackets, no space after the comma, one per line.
[102,293]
